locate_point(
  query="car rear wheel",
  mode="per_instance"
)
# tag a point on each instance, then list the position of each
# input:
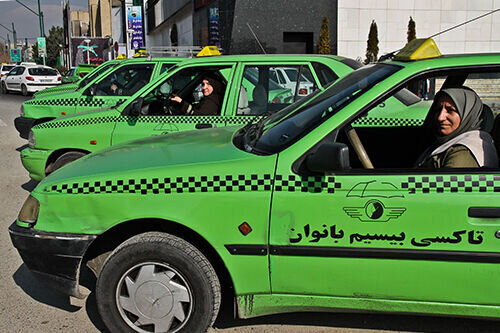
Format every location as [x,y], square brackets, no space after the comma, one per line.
[4,88]
[24,90]
[157,282]
[62,160]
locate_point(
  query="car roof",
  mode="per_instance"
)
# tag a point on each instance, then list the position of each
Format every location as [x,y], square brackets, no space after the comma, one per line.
[265,57]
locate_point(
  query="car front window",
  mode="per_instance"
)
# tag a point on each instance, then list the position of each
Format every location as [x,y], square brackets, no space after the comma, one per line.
[286,126]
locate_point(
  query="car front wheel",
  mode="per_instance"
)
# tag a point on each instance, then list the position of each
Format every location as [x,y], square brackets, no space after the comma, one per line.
[24,90]
[157,282]
[4,88]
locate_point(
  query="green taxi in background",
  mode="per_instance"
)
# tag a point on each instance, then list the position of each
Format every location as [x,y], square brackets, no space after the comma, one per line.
[285,214]
[77,73]
[111,88]
[250,91]
[82,82]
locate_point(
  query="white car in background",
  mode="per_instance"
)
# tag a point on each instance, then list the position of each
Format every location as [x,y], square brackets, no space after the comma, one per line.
[5,68]
[30,78]
[287,78]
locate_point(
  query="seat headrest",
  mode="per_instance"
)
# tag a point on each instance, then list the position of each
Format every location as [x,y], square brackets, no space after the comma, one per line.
[259,95]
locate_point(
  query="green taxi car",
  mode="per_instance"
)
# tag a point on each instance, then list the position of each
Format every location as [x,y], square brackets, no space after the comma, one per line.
[113,87]
[250,91]
[82,82]
[281,214]
[75,74]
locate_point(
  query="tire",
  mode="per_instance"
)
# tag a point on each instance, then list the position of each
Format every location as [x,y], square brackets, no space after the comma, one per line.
[151,272]
[24,90]
[62,160]
[4,88]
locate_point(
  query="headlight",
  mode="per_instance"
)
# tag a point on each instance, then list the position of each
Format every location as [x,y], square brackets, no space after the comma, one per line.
[31,139]
[29,211]
[22,110]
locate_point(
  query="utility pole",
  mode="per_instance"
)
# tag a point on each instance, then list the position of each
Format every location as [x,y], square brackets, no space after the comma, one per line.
[39,14]
[3,26]
[14,35]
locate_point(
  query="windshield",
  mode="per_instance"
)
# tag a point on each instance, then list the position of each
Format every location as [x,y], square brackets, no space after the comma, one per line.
[95,74]
[286,126]
[42,71]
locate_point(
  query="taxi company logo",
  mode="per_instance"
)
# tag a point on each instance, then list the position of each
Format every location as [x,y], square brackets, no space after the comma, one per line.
[374,210]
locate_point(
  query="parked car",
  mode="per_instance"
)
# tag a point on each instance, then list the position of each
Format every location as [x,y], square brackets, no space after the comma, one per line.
[78,72]
[130,76]
[4,69]
[30,78]
[101,69]
[281,214]
[249,92]
[287,77]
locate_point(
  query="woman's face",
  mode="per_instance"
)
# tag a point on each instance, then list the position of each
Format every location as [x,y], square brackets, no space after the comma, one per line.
[448,118]
[207,88]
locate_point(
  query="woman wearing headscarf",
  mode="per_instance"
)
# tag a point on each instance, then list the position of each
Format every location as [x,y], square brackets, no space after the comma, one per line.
[459,124]
[213,91]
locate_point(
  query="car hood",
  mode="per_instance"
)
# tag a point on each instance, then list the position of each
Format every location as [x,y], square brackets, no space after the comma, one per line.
[163,154]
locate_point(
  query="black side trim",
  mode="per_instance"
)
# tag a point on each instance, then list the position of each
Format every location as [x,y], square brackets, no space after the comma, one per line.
[344,252]
[487,212]
[244,249]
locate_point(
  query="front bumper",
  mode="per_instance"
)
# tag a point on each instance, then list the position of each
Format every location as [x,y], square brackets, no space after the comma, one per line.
[23,126]
[54,258]
[35,160]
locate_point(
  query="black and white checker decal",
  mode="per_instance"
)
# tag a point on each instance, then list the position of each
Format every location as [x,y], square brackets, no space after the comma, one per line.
[227,183]
[452,184]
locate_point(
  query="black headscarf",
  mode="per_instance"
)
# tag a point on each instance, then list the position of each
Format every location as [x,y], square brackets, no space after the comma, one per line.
[210,104]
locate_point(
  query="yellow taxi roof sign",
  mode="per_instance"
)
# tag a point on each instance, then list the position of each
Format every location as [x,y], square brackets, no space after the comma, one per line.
[121,56]
[141,53]
[421,48]
[208,51]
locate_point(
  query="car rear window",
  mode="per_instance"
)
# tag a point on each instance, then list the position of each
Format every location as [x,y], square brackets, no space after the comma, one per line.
[42,71]
[7,68]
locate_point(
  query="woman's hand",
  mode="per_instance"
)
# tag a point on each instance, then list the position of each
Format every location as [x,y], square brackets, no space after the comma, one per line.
[176,98]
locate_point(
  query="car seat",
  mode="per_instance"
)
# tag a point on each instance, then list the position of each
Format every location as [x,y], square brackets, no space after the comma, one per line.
[495,134]
[243,107]
[259,100]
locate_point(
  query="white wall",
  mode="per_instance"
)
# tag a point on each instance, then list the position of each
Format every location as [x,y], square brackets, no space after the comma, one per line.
[184,21]
[430,16]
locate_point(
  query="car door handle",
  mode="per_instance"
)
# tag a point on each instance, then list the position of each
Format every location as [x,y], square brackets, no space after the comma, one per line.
[200,126]
[486,212]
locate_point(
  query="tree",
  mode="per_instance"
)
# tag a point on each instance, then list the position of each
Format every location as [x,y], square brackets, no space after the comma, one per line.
[372,44]
[34,52]
[412,33]
[54,39]
[324,37]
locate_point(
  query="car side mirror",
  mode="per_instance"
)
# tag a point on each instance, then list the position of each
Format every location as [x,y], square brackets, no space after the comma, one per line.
[330,156]
[90,91]
[134,108]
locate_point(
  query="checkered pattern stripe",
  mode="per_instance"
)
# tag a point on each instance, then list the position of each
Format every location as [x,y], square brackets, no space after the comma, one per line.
[54,101]
[227,183]
[452,184]
[387,122]
[145,186]
[77,122]
[215,120]
[316,184]
[241,120]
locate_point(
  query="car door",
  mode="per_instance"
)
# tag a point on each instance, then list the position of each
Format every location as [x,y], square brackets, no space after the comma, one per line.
[159,115]
[116,86]
[13,80]
[382,238]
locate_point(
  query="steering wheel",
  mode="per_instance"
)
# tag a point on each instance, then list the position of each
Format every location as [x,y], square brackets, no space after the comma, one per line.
[353,137]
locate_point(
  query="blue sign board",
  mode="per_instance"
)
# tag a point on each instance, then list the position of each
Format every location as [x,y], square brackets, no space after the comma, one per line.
[134,22]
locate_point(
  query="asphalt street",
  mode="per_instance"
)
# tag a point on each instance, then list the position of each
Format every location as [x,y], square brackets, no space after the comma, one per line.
[26,305]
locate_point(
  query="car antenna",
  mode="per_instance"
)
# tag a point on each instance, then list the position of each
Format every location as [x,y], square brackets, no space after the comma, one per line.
[390,55]
[255,36]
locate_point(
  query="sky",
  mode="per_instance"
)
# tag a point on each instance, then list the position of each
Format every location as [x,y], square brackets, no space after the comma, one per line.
[26,23]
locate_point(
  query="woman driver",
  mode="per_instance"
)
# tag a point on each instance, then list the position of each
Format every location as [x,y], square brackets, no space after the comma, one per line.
[459,124]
